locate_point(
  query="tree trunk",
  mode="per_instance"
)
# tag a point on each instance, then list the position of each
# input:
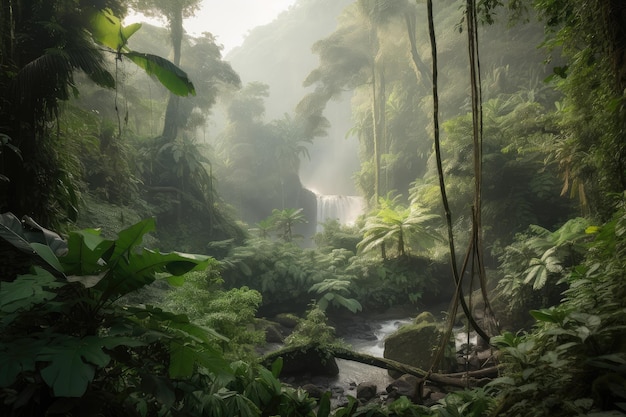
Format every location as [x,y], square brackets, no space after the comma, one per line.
[382,125]
[171,124]
[461,379]
[376,138]
[421,70]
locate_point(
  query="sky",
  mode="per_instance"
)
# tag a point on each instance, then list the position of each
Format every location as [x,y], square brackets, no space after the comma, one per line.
[229,20]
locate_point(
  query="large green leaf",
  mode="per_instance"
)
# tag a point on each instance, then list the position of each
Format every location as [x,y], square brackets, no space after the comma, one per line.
[12,230]
[36,233]
[107,29]
[86,252]
[129,238]
[27,290]
[67,373]
[47,255]
[175,263]
[117,267]
[324,405]
[17,357]
[73,362]
[29,237]
[185,356]
[172,77]
[133,270]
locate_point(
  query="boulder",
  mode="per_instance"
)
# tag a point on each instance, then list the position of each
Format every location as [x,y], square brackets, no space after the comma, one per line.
[408,386]
[274,332]
[415,344]
[310,361]
[287,320]
[314,391]
[366,391]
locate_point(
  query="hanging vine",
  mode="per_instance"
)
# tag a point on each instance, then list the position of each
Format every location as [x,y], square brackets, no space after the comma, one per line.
[474,252]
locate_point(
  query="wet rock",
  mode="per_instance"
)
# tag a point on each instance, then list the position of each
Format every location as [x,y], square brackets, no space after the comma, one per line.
[366,391]
[435,397]
[273,333]
[415,344]
[407,385]
[290,321]
[314,391]
[427,392]
[308,362]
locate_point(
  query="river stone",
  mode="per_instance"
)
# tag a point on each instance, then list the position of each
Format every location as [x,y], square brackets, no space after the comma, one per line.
[407,385]
[365,391]
[414,344]
[273,334]
[290,321]
[314,391]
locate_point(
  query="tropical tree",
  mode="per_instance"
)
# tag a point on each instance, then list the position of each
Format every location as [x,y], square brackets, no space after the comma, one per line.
[291,139]
[394,224]
[590,148]
[34,77]
[288,139]
[247,180]
[178,171]
[263,228]
[175,12]
[285,220]
[211,74]
[523,187]
[535,266]
[39,74]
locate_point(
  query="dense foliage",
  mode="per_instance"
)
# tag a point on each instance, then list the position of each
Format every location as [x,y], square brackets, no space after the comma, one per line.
[89,324]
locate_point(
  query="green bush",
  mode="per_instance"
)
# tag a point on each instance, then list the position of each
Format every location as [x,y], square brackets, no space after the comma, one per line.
[574,360]
[229,312]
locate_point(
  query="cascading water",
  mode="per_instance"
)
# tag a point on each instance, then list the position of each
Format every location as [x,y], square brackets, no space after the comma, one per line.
[344,208]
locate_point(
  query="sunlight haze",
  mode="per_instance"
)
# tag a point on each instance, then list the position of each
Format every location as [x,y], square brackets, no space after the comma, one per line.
[230,21]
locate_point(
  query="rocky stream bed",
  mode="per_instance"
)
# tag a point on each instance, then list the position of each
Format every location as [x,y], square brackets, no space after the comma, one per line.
[466,365]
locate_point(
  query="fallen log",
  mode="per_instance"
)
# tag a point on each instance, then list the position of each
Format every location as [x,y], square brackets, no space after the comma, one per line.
[460,379]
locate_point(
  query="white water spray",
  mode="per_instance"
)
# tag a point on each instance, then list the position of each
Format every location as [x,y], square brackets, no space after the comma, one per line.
[344,208]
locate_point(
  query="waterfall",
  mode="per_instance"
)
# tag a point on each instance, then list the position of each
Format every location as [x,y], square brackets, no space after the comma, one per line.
[344,208]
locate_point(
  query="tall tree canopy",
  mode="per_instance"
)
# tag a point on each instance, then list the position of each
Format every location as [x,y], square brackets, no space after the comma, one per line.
[174,11]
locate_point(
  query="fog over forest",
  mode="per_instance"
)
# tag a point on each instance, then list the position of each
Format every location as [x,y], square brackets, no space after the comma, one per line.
[369,207]
[280,55]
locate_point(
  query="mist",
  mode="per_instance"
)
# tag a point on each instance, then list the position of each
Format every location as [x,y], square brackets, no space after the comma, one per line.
[195,228]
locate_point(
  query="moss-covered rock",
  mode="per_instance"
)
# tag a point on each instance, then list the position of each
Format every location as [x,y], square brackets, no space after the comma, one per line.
[415,344]
[310,360]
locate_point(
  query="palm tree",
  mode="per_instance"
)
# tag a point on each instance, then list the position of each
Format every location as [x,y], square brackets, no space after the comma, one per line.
[263,228]
[394,224]
[285,220]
